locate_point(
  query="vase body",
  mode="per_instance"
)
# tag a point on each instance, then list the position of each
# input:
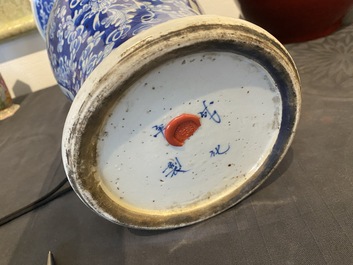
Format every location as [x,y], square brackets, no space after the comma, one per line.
[41,12]
[80,34]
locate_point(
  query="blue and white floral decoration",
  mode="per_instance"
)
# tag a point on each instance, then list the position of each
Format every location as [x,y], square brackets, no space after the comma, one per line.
[41,11]
[81,33]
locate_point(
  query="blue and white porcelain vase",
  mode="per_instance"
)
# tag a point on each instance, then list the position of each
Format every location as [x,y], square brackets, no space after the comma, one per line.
[176,116]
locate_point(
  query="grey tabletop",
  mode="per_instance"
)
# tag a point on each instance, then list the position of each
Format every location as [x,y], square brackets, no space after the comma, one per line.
[303,213]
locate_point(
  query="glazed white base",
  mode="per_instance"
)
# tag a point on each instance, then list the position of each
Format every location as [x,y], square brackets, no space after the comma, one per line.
[133,155]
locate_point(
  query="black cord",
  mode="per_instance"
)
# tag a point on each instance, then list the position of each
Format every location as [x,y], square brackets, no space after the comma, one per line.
[51,195]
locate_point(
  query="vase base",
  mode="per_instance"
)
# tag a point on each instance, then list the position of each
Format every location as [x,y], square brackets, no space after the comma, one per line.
[115,152]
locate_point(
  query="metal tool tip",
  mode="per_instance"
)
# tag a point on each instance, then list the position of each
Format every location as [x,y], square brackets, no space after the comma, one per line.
[50,260]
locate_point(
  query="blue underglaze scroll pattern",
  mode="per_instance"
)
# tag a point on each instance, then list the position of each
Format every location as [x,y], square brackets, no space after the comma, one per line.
[81,33]
[41,10]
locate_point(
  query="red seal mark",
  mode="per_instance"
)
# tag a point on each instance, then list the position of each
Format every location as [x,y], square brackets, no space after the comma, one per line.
[181,128]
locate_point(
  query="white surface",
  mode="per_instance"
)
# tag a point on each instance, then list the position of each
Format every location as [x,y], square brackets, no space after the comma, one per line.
[28,73]
[133,162]
[25,66]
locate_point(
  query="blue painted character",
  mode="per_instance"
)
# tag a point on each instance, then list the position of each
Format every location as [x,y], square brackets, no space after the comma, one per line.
[206,112]
[159,129]
[173,168]
[217,151]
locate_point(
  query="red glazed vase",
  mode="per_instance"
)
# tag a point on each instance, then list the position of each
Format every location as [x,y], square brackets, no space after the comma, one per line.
[296,20]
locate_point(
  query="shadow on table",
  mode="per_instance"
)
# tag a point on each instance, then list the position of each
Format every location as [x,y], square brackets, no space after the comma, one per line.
[280,170]
[21,89]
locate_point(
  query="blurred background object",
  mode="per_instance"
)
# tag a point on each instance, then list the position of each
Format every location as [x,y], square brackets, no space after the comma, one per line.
[15,18]
[7,108]
[5,98]
[23,59]
[296,20]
